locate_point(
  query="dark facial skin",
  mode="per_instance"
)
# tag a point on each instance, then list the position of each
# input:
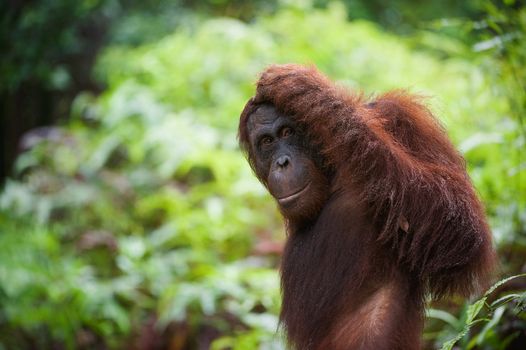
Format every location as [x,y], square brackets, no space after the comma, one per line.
[284,163]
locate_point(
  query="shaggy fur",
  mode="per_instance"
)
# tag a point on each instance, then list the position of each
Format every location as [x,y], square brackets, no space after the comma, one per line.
[402,220]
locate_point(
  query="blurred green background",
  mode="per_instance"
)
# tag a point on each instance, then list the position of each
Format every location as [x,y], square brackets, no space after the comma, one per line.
[129,219]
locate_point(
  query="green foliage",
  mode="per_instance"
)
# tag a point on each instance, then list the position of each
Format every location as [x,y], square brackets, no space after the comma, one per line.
[502,43]
[141,210]
[404,16]
[488,335]
[154,206]
[38,38]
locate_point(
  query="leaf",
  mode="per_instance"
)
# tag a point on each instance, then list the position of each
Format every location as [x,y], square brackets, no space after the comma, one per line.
[505,299]
[444,316]
[497,315]
[501,282]
[479,139]
[474,309]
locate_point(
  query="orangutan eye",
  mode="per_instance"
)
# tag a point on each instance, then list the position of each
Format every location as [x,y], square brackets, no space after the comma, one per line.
[287,131]
[266,140]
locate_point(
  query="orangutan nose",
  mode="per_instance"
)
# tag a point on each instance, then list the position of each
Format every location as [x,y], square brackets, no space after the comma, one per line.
[283,161]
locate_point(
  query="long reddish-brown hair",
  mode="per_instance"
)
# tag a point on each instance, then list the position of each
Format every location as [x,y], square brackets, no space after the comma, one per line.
[402,213]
